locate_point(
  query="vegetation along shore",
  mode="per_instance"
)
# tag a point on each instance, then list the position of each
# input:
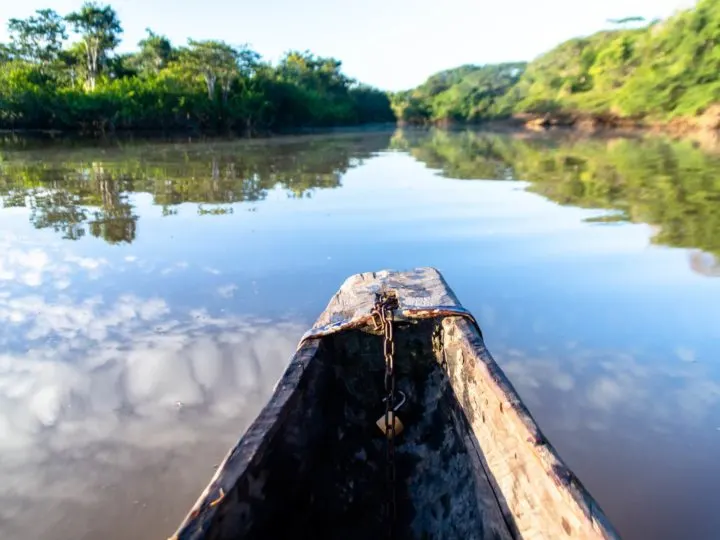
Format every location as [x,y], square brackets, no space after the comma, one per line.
[656,74]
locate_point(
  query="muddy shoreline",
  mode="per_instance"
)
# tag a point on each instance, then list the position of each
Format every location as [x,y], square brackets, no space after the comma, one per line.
[703,129]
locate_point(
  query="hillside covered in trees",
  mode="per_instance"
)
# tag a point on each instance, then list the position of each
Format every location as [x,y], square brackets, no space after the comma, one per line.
[660,72]
[48,81]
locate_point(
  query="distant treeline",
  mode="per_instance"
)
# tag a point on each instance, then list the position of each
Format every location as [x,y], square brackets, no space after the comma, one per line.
[657,72]
[48,82]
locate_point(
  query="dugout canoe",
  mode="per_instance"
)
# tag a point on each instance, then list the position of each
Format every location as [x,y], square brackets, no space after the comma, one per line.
[471,463]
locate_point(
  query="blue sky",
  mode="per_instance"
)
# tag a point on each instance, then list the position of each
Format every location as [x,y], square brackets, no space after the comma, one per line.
[392,44]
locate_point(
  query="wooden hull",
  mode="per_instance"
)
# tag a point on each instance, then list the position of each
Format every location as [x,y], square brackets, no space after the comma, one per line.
[471,462]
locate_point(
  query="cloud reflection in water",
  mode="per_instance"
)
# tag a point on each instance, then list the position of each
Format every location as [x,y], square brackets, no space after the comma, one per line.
[122,390]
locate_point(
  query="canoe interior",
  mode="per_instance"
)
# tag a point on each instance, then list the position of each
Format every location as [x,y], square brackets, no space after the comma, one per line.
[471,462]
[324,473]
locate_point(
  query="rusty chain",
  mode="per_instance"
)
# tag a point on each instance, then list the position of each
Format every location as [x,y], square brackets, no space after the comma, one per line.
[383,314]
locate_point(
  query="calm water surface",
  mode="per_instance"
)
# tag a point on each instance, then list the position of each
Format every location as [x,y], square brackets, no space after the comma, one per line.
[151,295]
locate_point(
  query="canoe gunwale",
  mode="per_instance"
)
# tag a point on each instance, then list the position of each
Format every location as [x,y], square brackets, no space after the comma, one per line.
[568,484]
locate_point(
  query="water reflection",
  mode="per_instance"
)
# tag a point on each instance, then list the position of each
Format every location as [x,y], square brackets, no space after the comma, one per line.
[132,357]
[116,397]
[85,191]
[671,185]
[652,415]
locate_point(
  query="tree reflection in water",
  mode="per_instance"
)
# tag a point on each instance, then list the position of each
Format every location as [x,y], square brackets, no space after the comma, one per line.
[90,190]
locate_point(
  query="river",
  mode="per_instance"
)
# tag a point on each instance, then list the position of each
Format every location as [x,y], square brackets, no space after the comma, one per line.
[151,293]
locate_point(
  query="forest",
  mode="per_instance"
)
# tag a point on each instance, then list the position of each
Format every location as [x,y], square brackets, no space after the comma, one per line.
[48,81]
[64,72]
[648,72]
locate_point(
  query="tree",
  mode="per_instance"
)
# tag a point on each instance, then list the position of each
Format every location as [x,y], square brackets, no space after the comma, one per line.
[39,38]
[100,29]
[216,61]
[90,86]
[612,64]
[73,64]
[466,93]
[155,53]
[6,53]
[318,73]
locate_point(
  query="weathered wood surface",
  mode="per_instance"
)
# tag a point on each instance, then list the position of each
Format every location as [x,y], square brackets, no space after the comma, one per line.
[423,293]
[540,495]
[457,395]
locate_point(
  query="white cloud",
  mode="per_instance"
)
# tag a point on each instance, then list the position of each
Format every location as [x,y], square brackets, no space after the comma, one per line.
[157,377]
[35,266]
[593,389]
[533,373]
[227,291]
[25,266]
[35,259]
[685,354]
[32,279]
[181,266]
[93,402]
[606,393]
[62,284]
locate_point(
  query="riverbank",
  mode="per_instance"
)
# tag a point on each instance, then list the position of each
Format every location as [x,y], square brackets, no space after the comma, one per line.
[159,133]
[658,76]
[708,121]
[703,129]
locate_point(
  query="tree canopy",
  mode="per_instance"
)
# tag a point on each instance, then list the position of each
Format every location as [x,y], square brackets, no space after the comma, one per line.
[654,71]
[638,70]
[47,82]
[99,28]
[38,38]
[466,93]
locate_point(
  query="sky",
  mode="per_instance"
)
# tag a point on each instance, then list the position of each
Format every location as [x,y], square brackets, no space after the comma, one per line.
[391,44]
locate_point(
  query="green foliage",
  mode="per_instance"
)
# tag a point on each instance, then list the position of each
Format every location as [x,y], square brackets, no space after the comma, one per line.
[155,54]
[577,76]
[76,193]
[207,85]
[100,30]
[214,62]
[672,186]
[38,38]
[468,93]
[369,105]
[679,69]
[658,71]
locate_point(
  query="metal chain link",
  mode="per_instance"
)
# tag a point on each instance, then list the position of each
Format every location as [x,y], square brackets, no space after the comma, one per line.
[383,309]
